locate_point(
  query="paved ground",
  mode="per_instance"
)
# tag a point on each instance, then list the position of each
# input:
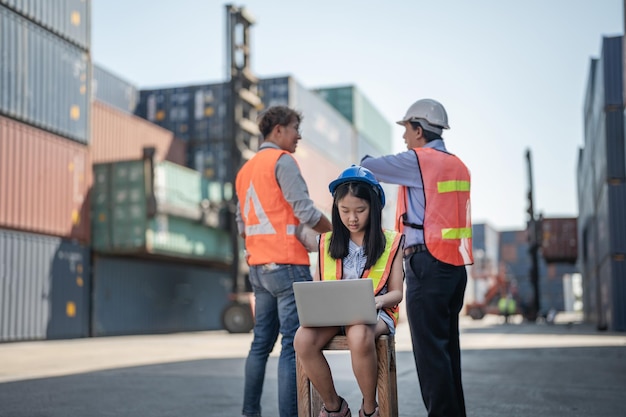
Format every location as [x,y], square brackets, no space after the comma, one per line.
[566,369]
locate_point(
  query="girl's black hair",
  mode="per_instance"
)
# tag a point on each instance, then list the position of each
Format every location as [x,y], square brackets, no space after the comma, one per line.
[374,241]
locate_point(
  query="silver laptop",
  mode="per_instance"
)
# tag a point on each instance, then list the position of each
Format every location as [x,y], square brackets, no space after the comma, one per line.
[335,303]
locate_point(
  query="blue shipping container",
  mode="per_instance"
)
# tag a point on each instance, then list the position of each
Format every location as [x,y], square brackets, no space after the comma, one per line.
[44,287]
[44,80]
[138,296]
[69,19]
[113,90]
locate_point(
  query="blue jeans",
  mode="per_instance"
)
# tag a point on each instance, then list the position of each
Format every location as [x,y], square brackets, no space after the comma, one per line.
[275,312]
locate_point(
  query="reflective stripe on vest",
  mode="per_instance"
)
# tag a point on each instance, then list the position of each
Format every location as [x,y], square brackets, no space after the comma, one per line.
[332,269]
[446,190]
[270,223]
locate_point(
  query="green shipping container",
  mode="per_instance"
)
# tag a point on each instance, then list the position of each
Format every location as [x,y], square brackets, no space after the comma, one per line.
[136,212]
[362,114]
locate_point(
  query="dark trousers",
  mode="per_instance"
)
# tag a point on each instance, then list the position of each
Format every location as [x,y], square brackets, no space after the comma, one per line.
[434,298]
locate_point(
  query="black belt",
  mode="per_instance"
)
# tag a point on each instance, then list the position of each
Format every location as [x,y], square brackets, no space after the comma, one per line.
[410,250]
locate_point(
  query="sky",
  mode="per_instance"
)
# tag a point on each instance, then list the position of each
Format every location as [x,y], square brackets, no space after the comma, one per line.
[511,74]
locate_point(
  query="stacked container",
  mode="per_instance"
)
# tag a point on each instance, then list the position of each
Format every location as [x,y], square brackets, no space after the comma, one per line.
[602,191]
[113,90]
[373,130]
[45,169]
[199,115]
[160,256]
[372,134]
[516,263]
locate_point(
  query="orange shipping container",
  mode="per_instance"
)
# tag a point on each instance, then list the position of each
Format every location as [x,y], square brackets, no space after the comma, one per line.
[120,136]
[44,180]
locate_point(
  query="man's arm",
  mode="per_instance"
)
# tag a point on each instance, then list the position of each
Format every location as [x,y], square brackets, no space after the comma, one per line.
[323,226]
[401,168]
[296,193]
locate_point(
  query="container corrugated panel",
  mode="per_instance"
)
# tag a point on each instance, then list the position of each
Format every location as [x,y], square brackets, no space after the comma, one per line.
[113,90]
[178,190]
[361,113]
[181,191]
[210,112]
[119,206]
[611,222]
[44,287]
[618,293]
[69,19]
[612,67]
[136,296]
[44,182]
[170,108]
[118,136]
[615,151]
[209,159]
[589,269]
[585,183]
[607,120]
[588,106]
[559,239]
[323,127]
[121,223]
[517,266]
[184,238]
[196,114]
[44,80]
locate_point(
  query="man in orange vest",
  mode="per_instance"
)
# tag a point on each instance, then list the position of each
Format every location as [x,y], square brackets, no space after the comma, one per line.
[273,205]
[433,212]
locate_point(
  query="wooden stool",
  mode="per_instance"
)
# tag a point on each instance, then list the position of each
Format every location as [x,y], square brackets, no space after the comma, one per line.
[309,401]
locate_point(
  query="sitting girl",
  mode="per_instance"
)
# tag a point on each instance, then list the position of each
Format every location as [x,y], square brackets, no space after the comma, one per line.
[357,247]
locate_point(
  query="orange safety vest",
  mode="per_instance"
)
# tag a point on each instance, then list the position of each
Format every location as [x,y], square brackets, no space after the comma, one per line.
[447,220]
[332,269]
[270,223]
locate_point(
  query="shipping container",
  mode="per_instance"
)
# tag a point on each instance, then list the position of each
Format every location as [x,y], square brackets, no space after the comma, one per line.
[170,108]
[138,296]
[605,125]
[118,136]
[323,127]
[611,221]
[44,80]
[197,113]
[212,160]
[44,287]
[516,263]
[362,114]
[612,292]
[113,90]
[69,19]
[44,182]
[590,108]
[177,190]
[559,239]
[585,183]
[130,216]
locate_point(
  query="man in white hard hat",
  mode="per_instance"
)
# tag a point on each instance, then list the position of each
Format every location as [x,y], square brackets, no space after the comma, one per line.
[433,212]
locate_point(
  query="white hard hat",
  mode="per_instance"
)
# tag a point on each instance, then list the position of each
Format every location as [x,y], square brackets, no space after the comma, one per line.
[429,113]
